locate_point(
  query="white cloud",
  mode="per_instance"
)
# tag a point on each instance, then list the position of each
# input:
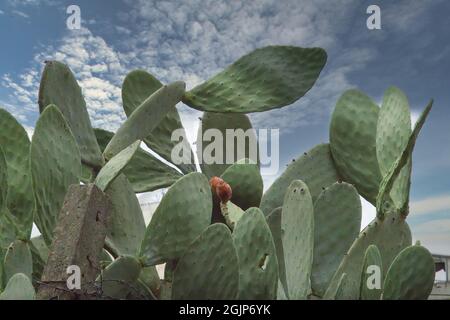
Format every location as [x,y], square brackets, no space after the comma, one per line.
[23,3]
[430,205]
[434,235]
[96,66]
[20,14]
[191,41]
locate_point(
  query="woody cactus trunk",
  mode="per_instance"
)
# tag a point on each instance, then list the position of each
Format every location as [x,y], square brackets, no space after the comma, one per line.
[221,240]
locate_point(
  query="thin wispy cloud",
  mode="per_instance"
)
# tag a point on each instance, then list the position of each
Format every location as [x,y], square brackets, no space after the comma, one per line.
[431,205]
[20,14]
[200,39]
[434,235]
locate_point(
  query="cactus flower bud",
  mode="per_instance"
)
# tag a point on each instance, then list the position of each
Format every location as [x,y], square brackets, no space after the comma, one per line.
[221,189]
[214,182]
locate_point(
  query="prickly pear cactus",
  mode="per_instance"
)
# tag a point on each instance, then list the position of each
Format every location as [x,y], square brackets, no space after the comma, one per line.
[208,269]
[258,265]
[179,219]
[410,276]
[372,268]
[218,233]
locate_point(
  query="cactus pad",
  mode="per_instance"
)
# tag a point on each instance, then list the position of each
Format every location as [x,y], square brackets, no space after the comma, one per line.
[316,168]
[55,164]
[274,223]
[337,222]
[18,260]
[258,266]
[267,78]
[297,222]
[219,123]
[246,182]
[410,276]
[183,213]
[116,279]
[390,235]
[59,87]
[3,180]
[396,169]
[353,142]
[144,171]
[137,86]
[126,222]
[145,118]
[209,268]
[231,213]
[19,287]
[393,131]
[16,147]
[371,258]
[115,166]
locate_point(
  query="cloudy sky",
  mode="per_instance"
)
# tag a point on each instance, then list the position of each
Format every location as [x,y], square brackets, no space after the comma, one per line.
[191,40]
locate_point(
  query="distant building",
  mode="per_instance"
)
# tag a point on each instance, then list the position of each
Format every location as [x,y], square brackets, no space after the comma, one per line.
[441,288]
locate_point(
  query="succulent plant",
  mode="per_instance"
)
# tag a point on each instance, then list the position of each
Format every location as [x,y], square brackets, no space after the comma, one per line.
[219,234]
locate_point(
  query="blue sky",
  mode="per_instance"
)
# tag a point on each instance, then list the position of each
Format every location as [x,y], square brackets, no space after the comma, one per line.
[192,40]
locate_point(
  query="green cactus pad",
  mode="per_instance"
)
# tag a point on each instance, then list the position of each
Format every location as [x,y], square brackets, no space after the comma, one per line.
[19,287]
[117,279]
[87,174]
[267,78]
[144,171]
[3,180]
[390,235]
[341,288]
[126,223]
[183,213]
[150,279]
[231,213]
[39,253]
[353,142]
[8,234]
[59,87]
[115,166]
[297,222]
[372,257]
[18,259]
[209,268]
[393,131]
[246,183]
[410,276]
[337,222]
[258,266]
[218,123]
[274,222]
[396,169]
[55,164]
[145,118]
[138,86]
[393,128]
[316,168]
[16,147]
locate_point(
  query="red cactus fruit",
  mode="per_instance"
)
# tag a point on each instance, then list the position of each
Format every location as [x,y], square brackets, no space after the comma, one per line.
[224,192]
[214,182]
[221,189]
